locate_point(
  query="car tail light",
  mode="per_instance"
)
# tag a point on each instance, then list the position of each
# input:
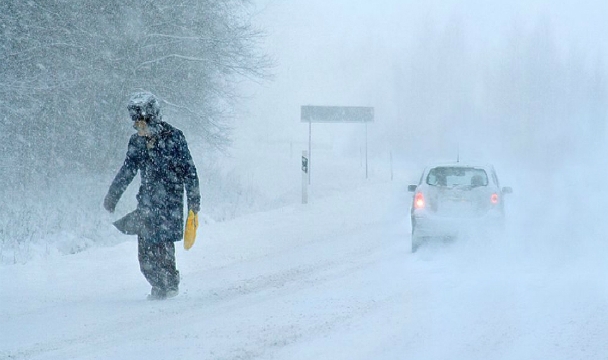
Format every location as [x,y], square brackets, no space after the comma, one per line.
[419,201]
[494,198]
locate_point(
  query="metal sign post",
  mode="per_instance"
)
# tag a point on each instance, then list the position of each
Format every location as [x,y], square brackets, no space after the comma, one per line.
[305,177]
[309,146]
[365,151]
[335,114]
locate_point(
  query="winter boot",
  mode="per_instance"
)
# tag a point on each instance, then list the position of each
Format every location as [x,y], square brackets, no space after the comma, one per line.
[157,294]
[171,293]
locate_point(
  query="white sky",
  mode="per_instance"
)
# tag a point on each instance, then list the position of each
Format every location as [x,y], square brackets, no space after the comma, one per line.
[343,52]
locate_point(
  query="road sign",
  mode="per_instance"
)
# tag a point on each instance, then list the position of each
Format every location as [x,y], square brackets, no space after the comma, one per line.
[305,177]
[336,114]
[305,164]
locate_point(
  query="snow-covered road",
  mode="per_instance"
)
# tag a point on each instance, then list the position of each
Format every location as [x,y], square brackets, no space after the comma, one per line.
[330,280]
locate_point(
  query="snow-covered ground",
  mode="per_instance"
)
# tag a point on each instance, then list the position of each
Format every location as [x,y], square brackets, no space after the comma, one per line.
[333,279]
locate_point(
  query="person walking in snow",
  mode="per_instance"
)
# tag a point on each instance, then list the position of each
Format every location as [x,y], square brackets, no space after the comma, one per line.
[160,153]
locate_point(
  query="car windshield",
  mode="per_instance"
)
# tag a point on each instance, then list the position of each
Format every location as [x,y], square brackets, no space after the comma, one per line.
[457,176]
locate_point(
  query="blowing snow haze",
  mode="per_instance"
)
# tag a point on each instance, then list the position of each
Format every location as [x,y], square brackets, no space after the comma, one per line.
[518,84]
[524,81]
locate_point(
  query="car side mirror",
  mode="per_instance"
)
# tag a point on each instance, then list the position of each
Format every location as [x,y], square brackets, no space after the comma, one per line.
[507,190]
[411,188]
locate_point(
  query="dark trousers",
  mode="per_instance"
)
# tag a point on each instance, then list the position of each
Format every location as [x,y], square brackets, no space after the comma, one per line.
[157,263]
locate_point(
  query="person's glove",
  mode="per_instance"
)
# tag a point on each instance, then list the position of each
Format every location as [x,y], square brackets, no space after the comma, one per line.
[109,203]
[190,231]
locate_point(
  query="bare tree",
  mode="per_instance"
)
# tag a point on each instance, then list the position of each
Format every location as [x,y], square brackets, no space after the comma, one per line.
[67,68]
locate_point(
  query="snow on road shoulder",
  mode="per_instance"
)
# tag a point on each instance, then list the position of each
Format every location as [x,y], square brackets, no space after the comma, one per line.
[333,279]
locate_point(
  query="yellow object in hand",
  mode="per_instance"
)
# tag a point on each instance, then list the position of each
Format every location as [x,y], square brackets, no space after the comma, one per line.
[190,232]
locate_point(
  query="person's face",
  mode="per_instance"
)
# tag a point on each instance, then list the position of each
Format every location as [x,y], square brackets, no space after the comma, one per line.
[139,123]
[142,127]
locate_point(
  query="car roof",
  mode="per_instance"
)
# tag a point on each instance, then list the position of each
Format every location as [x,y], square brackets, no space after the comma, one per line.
[487,167]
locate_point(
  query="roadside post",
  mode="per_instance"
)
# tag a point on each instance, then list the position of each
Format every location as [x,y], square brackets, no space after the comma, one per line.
[305,177]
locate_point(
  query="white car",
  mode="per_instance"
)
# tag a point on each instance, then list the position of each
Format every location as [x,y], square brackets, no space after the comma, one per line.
[452,198]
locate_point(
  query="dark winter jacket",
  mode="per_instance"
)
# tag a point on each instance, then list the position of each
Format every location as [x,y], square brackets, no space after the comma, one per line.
[166,167]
